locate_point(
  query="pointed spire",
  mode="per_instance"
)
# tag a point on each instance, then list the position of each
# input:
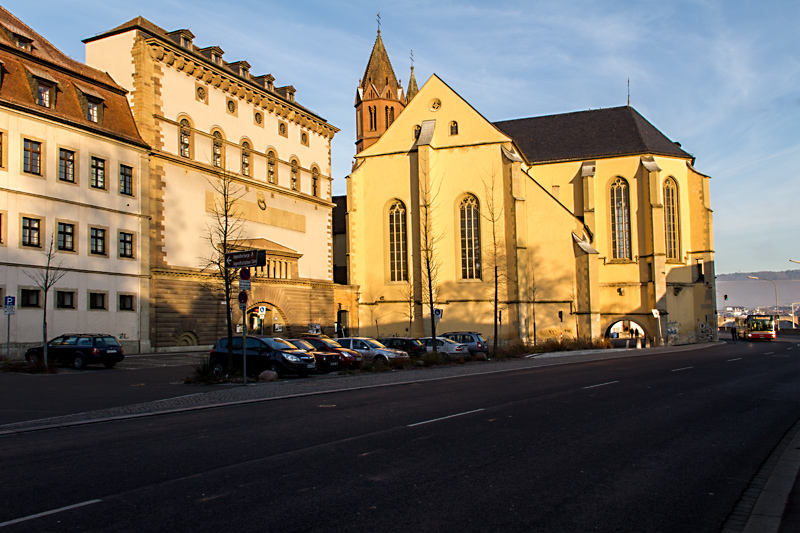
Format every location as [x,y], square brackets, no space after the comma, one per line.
[379,70]
[412,87]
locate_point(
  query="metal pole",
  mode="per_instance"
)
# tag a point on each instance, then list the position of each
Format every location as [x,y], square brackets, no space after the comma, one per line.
[8,337]
[244,345]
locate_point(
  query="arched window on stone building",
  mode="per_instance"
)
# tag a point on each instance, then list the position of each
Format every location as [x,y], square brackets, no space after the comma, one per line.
[469,215]
[671,219]
[398,249]
[620,220]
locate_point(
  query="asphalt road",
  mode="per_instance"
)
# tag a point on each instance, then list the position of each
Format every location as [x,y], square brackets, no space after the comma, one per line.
[658,443]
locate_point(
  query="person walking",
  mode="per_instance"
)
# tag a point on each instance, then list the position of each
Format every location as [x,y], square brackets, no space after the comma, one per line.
[734,333]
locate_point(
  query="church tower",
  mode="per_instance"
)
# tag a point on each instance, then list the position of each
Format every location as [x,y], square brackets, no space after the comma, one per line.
[379,98]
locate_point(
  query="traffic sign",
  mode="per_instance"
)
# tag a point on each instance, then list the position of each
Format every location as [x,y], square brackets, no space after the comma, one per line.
[244,284]
[245,258]
[10,305]
[244,274]
[242,297]
[262,310]
[437,314]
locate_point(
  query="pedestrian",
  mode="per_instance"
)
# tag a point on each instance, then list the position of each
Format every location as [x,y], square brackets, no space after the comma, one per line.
[734,333]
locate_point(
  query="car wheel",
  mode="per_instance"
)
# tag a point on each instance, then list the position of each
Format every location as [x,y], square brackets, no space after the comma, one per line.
[380,360]
[78,363]
[33,358]
[217,369]
[275,367]
[109,365]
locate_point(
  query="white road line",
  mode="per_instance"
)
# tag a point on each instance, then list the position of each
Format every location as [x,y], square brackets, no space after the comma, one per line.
[684,368]
[600,385]
[445,418]
[737,359]
[769,353]
[54,511]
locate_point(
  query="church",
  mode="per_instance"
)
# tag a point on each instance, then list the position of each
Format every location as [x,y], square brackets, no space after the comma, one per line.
[574,225]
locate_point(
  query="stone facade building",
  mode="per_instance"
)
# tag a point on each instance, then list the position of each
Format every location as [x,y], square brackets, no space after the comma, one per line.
[210,121]
[74,169]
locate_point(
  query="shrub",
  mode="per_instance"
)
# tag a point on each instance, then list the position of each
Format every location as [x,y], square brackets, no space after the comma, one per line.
[25,367]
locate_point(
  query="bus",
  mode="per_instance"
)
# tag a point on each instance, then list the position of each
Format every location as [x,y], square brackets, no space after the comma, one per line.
[757,327]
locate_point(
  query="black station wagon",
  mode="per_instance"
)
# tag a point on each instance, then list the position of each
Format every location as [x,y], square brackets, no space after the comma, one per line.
[80,349]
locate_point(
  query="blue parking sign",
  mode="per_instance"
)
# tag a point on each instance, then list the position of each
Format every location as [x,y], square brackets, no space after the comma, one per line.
[10,305]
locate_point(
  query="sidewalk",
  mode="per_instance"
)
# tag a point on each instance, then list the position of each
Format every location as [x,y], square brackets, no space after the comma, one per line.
[771,504]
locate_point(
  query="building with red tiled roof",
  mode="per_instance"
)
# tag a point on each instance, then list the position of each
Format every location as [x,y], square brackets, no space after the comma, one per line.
[73,172]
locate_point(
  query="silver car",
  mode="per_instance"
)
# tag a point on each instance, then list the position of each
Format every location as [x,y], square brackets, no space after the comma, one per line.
[374,351]
[446,346]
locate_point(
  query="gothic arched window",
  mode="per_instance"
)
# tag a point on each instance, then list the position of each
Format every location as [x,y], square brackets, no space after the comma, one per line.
[620,220]
[671,218]
[454,128]
[314,181]
[398,261]
[469,214]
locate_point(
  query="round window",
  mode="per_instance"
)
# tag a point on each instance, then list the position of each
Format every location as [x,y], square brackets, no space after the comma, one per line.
[435,104]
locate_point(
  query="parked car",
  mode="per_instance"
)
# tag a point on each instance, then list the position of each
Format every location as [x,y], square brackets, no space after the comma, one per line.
[374,351]
[446,346]
[474,340]
[263,353]
[413,347]
[326,360]
[350,358]
[80,349]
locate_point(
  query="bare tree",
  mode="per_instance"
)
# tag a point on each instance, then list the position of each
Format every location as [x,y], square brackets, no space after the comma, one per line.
[407,296]
[495,251]
[429,240]
[45,277]
[224,232]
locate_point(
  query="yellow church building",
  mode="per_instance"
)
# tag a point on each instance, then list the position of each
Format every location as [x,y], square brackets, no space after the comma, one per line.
[568,225]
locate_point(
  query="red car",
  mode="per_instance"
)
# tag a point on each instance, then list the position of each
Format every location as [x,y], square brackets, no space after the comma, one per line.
[327,360]
[350,358]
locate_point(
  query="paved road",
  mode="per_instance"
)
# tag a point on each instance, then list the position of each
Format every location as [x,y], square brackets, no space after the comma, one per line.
[657,443]
[31,396]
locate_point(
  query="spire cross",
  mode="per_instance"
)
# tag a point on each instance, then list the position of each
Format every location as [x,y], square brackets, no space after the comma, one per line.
[379,21]
[412,58]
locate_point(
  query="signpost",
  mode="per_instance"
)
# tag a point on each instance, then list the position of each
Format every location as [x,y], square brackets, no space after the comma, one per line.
[242,260]
[9,309]
[657,314]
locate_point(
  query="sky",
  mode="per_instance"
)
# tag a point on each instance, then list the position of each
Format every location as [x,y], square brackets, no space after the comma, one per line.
[722,77]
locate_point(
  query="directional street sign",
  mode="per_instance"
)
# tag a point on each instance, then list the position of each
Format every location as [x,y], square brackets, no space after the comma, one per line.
[245,258]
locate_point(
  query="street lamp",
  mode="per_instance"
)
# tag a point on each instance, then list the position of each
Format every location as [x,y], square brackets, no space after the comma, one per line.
[777,312]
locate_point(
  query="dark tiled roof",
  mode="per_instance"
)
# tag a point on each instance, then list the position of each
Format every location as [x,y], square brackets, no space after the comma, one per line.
[379,69]
[72,79]
[588,135]
[339,215]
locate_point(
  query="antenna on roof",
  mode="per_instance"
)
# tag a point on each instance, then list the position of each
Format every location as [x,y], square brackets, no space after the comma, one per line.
[629,92]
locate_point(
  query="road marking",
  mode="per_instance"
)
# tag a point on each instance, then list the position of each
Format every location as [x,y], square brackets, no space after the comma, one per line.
[737,359]
[601,384]
[54,511]
[769,353]
[684,368]
[445,417]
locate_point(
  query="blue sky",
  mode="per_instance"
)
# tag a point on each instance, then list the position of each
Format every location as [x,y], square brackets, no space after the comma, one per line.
[720,77]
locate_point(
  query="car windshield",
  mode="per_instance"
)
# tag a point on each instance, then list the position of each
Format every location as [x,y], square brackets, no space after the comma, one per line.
[279,344]
[415,342]
[330,343]
[303,345]
[374,344]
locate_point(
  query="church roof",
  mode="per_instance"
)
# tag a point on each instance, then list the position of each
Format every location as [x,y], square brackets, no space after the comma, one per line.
[412,87]
[379,71]
[589,134]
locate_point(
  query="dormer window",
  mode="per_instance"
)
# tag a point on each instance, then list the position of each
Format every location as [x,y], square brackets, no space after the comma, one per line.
[23,43]
[44,93]
[182,37]
[93,111]
[216,58]
[186,43]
